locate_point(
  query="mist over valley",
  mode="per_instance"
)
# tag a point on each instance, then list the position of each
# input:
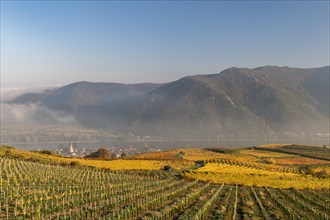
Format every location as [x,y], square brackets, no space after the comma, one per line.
[257,105]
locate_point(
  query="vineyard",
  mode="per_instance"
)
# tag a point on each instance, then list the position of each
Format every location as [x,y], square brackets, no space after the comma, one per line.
[31,190]
[234,174]
[222,185]
[322,153]
[189,154]
[118,164]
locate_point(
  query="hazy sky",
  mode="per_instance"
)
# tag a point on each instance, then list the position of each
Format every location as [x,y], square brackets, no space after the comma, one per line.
[58,42]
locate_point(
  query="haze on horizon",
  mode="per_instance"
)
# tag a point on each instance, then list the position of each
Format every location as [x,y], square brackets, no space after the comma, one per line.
[56,42]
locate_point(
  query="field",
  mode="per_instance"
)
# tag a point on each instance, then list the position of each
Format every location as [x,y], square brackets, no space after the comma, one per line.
[119,164]
[226,185]
[277,156]
[316,152]
[182,153]
[299,161]
[264,153]
[57,192]
[234,174]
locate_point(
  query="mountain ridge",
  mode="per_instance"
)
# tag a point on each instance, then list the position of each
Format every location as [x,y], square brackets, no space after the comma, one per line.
[263,102]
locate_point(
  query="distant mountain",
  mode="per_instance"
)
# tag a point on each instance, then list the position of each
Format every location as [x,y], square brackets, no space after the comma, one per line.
[265,102]
[69,98]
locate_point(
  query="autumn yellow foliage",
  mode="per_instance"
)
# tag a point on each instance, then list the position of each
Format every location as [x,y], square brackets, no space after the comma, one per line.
[118,164]
[299,161]
[261,153]
[273,145]
[191,154]
[233,174]
[135,164]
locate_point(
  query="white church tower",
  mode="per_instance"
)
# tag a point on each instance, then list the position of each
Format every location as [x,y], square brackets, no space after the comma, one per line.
[71,148]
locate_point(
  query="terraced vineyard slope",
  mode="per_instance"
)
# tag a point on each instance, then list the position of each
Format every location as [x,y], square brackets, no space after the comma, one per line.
[47,189]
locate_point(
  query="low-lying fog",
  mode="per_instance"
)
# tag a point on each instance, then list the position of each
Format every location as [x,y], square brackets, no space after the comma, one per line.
[36,127]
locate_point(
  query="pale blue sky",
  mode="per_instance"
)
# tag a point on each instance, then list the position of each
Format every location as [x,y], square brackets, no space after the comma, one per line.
[58,42]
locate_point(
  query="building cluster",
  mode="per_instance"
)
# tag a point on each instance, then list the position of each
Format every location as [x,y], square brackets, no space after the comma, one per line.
[74,150]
